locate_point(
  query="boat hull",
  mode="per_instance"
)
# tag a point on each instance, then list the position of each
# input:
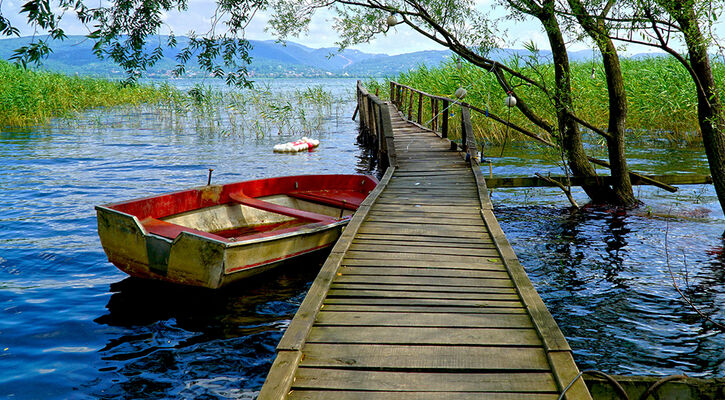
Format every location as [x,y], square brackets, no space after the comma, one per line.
[195,260]
[212,236]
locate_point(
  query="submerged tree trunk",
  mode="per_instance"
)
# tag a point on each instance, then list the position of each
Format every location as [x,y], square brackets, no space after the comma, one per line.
[709,104]
[595,28]
[571,140]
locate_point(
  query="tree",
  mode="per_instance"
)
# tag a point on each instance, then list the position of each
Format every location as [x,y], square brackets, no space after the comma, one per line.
[126,32]
[595,26]
[660,24]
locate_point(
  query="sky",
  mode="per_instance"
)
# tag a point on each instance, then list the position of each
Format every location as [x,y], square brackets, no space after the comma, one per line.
[399,39]
[320,34]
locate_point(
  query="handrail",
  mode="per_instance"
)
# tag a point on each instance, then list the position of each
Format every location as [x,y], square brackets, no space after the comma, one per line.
[376,127]
[397,93]
[468,142]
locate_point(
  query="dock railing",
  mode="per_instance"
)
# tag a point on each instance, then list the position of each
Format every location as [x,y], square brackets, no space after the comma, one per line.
[376,128]
[405,98]
[416,106]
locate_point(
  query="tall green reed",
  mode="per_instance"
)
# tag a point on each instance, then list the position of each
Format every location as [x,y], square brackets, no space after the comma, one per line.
[660,94]
[33,97]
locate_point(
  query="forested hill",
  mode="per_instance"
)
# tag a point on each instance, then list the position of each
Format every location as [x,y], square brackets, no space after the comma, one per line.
[270,59]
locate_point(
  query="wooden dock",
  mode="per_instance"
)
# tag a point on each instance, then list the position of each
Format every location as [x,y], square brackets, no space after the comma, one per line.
[422,297]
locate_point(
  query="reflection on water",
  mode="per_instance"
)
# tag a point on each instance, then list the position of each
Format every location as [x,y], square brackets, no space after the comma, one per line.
[187,342]
[604,273]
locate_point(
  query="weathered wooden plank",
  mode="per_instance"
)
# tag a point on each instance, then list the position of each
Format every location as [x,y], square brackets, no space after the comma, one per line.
[441,290]
[430,200]
[280,376]
[422,309]
[347,379]
[420,243]
[458,213]
[442,250]
[429,165]
[489,264]
[434,302]
[423,357]
[430,192]
[424,319]
[427,336]
[427,231]
[345,278]
[406,272]
[565,370]
[450,240]
[450,184]
[442,209]
[416,395]
[487,294]
[441,172]
[376,255]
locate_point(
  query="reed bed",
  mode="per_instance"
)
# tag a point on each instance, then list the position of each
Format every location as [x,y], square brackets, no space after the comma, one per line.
[32,98]
[257,112]
[660,95]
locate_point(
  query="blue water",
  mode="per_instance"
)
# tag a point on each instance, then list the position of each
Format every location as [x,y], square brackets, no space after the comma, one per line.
[73,326]
[605,273]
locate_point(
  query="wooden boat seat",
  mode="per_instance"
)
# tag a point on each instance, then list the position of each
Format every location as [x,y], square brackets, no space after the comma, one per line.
[346,199]
[241,198]
[171,231]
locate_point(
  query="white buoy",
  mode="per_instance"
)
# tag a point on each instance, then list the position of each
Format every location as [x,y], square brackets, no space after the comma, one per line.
[460,93]
[296,146]
[391,21]
[510,100]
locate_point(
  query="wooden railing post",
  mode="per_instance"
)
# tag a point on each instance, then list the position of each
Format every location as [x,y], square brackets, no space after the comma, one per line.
[420,107]
[392,91]
[434,114]
[387,135]
[444,128]
[410,106]
[467,139]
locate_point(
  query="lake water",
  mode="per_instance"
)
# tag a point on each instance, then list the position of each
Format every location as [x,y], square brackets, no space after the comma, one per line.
[73,326]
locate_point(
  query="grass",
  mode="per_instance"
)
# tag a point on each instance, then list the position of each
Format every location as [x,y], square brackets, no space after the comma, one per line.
[660,95]
[256,112]
[32,98]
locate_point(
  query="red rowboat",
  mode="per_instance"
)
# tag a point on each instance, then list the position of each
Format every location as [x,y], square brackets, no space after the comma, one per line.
[213,235]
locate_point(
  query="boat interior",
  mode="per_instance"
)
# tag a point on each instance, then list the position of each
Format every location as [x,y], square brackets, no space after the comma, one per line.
[229,213]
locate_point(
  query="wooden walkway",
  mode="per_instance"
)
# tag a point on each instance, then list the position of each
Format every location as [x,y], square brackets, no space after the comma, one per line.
[423,298]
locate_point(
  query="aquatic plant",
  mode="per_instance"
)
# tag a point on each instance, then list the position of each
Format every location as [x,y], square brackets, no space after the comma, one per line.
[660,95]
[32,97]
[258,112]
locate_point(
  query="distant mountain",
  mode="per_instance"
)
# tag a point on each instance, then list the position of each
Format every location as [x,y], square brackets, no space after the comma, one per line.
[269,59]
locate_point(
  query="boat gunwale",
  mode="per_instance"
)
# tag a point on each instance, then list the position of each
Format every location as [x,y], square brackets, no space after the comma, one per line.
[296,231]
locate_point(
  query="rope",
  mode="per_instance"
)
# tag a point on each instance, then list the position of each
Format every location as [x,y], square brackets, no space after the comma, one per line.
[651,390]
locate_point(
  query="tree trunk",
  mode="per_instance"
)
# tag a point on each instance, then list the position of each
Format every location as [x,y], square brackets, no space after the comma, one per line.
[709,105]
[571,140]
[622,193]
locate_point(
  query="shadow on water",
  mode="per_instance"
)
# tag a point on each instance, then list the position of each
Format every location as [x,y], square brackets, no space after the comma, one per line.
[184,342]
